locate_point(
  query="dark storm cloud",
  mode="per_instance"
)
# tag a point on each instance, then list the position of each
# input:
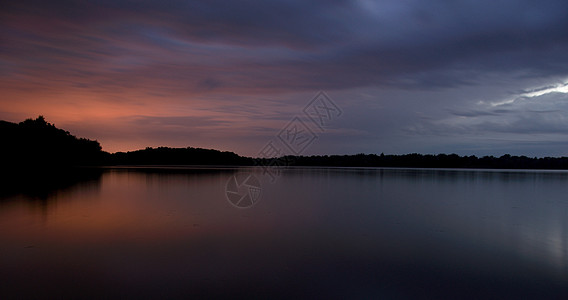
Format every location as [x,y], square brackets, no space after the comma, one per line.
[426,64]
[331,44]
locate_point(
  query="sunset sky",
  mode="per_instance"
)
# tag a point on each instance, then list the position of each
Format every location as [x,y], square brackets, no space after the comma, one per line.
[465,77]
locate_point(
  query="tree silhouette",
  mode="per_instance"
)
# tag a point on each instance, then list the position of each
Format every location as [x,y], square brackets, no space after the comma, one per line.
[35,143]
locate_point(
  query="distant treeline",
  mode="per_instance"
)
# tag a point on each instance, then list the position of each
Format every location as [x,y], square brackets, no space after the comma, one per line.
[425,161]
[37,143]
[178,156]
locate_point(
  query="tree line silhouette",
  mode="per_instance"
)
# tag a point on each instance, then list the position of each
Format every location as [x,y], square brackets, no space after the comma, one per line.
[178,156]
[35,143]
[416,160]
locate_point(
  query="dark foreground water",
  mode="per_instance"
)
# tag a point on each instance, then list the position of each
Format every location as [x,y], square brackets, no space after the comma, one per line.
[313,233]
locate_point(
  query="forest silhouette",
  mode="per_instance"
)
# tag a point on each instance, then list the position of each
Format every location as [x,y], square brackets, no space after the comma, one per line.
[37,144]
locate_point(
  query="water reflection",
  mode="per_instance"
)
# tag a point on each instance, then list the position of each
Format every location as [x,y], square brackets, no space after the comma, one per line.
[39,190]
[41,184]
[316,232]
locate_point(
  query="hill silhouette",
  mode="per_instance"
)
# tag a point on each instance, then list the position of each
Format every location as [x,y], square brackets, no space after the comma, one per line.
[35,143]
[178,156]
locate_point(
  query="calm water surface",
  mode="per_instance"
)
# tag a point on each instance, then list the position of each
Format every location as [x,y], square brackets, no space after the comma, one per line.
[314,233]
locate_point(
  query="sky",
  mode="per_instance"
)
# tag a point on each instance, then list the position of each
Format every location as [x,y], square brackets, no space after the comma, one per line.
[404,76]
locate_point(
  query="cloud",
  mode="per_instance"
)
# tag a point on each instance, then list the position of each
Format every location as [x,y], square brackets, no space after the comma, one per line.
[283,45]
[425,64]
[542,111]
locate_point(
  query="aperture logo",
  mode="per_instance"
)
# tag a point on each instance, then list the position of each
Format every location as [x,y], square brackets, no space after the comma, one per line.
[243,190]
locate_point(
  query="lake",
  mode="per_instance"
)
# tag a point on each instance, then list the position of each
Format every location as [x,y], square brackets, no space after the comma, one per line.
[356,233]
